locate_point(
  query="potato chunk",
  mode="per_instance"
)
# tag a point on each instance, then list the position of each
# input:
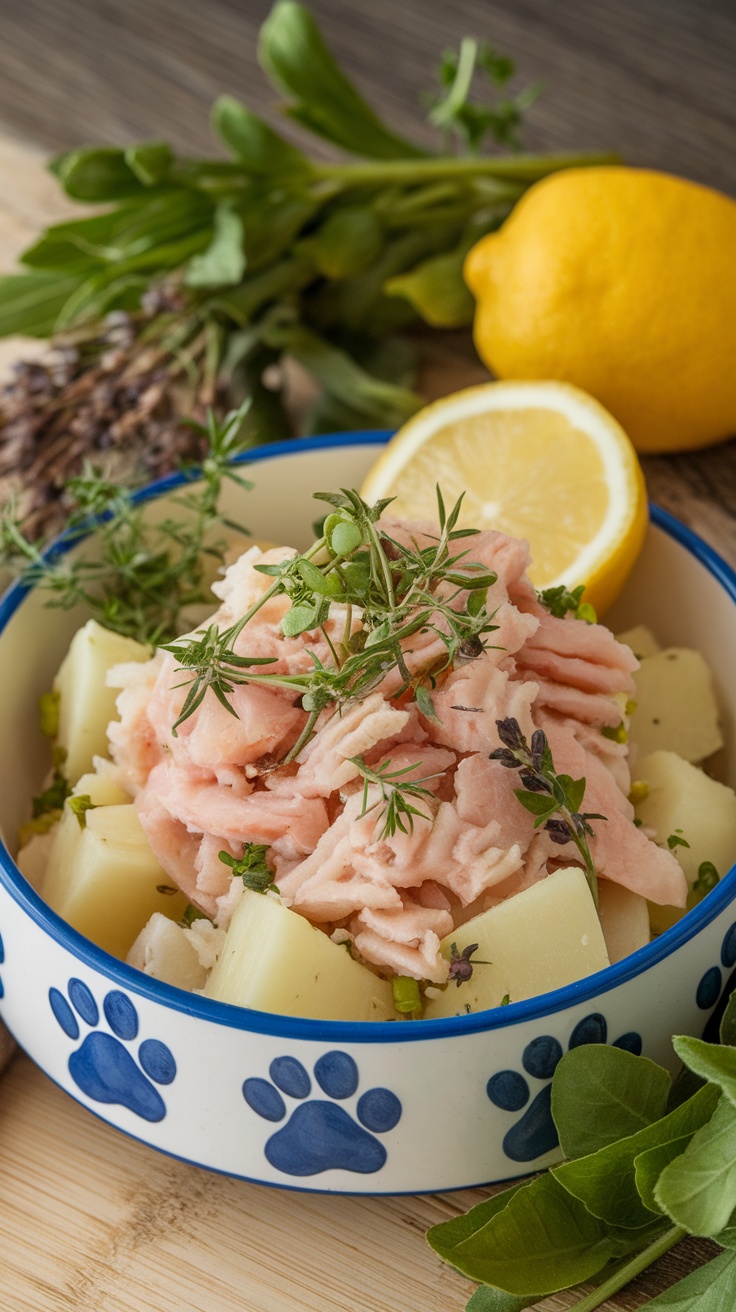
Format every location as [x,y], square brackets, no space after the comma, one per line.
[103,878]
[86,704]
[538,940]
[624,919]
[641,640]
[274,960]
[676,708]
[682,798]
[163,951]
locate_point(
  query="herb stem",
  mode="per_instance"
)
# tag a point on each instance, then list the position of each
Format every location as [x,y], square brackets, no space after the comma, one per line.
[627,1273]
[524,168]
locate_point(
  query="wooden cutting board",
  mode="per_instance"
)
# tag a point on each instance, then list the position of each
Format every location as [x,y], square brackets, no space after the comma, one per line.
[95,1222]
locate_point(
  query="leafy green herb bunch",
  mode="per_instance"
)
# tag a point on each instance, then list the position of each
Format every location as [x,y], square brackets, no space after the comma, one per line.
[216,270]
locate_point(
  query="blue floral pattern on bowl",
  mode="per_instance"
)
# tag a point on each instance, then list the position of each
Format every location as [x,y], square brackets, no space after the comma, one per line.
[102,1067]
[320,1135]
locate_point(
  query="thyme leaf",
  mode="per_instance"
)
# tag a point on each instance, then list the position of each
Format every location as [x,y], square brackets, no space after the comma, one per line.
[397,810]
[252,867]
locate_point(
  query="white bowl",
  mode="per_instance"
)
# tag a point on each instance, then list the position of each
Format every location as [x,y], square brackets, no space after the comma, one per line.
[330,1105]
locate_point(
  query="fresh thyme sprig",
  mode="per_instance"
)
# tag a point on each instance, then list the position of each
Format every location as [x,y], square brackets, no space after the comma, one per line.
[554,799]
[144,574]
[397,811]
[395,591]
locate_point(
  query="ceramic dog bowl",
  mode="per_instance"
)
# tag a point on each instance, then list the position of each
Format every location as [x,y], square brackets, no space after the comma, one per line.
[337,1106]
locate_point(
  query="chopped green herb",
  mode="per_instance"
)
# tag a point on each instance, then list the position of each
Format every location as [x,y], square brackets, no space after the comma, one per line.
[192,913]
[48,709]
[617,733]
[676,840]
[560,602]
[407,996]
[505,1000]
[706,880]
[54,796]
[79,804]
[252,867]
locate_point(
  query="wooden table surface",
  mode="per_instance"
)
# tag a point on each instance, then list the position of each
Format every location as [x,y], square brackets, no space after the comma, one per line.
[90,1220]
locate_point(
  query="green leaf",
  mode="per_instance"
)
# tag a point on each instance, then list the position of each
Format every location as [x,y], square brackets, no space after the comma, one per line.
[294,56]
[574,790]
[343,377]
[30,303]
[445,1237]
[487,1299]
[648,1167]
[253,142]
[605,1181]
[728,1023]
[698,1189]
[437,290]
[601,1094]
[348,242]
[222,264]
[96,173]
[709,1060]
[709,1289]
[539,804]
[149,161]
[542,1241]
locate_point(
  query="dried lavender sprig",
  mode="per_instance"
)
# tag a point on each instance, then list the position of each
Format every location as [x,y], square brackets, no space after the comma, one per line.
[553,799]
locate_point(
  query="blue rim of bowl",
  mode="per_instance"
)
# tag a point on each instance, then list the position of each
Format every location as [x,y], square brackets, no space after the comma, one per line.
[360,1032]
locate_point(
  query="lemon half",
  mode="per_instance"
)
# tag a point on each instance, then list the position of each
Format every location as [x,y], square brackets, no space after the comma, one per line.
[537,460]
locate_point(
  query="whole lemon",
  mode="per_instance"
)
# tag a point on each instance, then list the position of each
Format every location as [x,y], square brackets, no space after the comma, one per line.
[623,282]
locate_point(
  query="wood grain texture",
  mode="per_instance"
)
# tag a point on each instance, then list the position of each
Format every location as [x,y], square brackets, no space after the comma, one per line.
[92,1221]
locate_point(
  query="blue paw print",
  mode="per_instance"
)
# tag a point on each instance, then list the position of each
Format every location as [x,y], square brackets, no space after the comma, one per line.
[711,987]
[101,1067]
[320,1135]
[534,1133]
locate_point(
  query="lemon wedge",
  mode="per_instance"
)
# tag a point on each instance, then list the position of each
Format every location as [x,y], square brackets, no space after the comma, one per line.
[536,460]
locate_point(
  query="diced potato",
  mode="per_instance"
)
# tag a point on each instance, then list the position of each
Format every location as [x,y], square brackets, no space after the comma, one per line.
[104,879]
[274,960]
[624,919]
[681,797]
[641,640]
[100,789]
[676,709]
[163,951]
[86,704]
[538,940]
[33,858]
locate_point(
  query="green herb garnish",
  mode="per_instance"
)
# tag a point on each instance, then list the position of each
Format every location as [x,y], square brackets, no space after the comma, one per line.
[79,804]
[560,602]
[706,880]
[53,797]
[397,811]
[554,799]
[144,574]
[48,712]
[621,1122]
[192,913]
[676,840]
[407,996]
[398,591]
[251,867]
[615,733]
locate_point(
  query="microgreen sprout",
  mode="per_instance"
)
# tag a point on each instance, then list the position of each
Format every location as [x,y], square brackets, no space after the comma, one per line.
[251,867]
[397,811]
[553,799]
